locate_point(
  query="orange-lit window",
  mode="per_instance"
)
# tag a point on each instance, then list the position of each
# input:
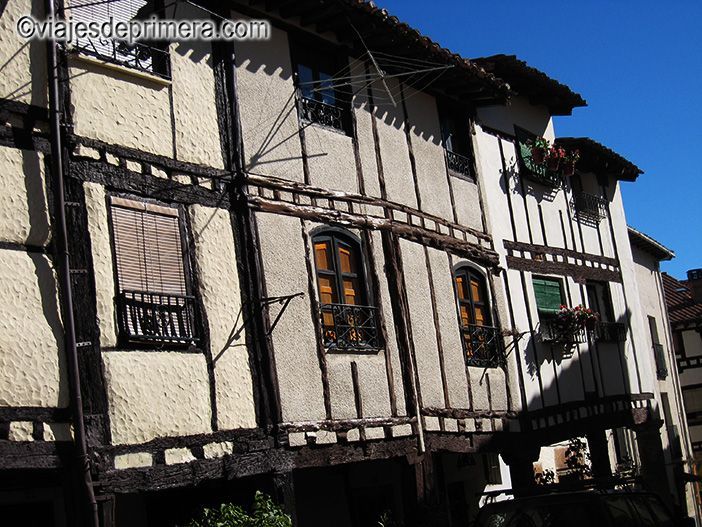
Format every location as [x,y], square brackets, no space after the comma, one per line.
[347,322]
[473,308]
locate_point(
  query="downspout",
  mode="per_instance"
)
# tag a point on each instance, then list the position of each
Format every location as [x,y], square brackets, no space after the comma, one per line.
[64,274]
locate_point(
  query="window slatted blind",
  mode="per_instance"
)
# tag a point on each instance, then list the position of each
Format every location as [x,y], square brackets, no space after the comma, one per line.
[148,248]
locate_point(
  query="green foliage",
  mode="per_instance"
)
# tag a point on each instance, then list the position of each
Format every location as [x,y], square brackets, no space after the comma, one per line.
[265,513]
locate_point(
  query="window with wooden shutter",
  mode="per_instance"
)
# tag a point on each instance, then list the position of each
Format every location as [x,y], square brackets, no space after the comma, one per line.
[153,304]
[549,295]
[491,465]
[481,341]
[148,57]
[347,321]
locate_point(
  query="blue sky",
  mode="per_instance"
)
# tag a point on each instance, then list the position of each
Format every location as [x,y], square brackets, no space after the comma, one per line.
[638,65]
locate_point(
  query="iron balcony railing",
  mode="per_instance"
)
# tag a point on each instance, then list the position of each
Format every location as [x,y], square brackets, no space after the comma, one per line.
[610,332]
[322,113]
[349,327]
[156,317]
[458,163]
[138,56]
[661,365]
[550,330]
[483,346]
[590,206]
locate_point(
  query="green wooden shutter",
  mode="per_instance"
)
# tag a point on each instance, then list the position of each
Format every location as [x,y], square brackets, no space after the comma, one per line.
[548,294]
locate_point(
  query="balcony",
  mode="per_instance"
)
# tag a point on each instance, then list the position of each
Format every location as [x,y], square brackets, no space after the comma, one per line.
[324,114]
[590,207]
[483,346]
[610,332]
[156,317]
[349,327]
[551,331]
[458,164]
[137,56]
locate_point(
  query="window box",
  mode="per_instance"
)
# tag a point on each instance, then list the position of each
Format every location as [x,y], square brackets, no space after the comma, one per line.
[610,332]
[156,317]
[458,164]
[589,206]
[349,327]
[484,346]
[550,330]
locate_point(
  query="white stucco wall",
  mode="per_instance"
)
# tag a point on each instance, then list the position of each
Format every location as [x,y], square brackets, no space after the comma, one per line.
[215,257]
[32,363]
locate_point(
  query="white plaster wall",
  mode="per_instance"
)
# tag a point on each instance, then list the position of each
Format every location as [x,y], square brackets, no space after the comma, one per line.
[215,257]
[267,104]
[23,76]
[364,132]
[421,318]
[536,119]
[194,108]
[32,362]
[397,170]
[330,159]
[425,135]
[454,360]
[24,216]
[155,394]
[119,108]
[101,245]
[294,340]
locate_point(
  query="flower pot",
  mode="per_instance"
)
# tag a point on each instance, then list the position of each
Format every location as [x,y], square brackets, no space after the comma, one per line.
[552,164]
[538,154]
[568,168]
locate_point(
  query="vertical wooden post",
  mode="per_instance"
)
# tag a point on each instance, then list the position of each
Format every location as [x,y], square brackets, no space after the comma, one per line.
[284,493]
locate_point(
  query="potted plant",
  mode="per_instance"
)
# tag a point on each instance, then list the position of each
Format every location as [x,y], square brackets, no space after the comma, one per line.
[572,320]
[568,163]
[539,146]
[555,155]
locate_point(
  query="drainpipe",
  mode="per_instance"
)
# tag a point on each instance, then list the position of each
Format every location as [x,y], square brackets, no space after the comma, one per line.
[64,274]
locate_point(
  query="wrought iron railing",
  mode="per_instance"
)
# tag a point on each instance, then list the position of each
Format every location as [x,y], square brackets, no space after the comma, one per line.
[138,56]
[322,113]
[551,330]
[661,365]
[349,327]
[590,206]
[458,163]
[483,346]
[610,332]
[156,317]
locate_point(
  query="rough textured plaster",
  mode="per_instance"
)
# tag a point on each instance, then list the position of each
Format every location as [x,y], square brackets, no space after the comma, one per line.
[267,104]
[32,367]
[197,131]
[294,338]
[23,76]
[24,216]
[215,450]
[21,431]
[129,111]
[454,361]
[425,135]
[423,332]
[221,296]
[330,159]
[155,394]
[364,132]
[99,231]
[135,460]
[178,455]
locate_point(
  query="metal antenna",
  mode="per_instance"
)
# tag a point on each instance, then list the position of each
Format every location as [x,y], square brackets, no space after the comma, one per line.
[379,71]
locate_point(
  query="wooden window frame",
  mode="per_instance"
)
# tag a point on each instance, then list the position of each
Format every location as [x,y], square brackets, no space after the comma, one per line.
[543,313]
[124,340]
[365,302]
[469,272]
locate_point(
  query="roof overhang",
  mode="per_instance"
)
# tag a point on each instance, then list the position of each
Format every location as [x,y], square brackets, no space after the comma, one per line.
[465,81]
[646,243]
[533,83]
[600,160]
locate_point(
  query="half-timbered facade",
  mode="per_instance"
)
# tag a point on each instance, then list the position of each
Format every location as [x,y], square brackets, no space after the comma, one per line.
[222,274]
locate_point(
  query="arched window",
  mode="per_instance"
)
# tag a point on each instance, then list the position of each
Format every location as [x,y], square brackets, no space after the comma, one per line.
[481,341]
[348,322]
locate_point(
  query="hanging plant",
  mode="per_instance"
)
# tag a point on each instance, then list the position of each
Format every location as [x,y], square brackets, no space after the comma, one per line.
[571,320]
[539,146]
[568,163]
[555,155]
